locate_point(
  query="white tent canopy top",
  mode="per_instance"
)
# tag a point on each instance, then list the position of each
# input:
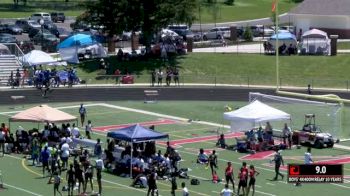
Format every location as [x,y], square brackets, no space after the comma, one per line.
[315,33]
[38,57]
[256,112]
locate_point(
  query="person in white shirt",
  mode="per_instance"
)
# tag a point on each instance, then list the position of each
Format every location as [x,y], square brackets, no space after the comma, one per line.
[75,131]
[65,154]
[226,191]
[308,157]
[184,189]
[88,129]
[287,135]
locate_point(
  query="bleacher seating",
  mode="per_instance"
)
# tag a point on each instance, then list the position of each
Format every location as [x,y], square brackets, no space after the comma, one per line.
[8,63]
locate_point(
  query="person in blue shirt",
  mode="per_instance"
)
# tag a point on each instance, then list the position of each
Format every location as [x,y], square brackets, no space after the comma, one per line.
[45,155]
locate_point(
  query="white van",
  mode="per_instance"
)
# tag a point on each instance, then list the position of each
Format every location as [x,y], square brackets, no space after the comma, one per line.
[41,15]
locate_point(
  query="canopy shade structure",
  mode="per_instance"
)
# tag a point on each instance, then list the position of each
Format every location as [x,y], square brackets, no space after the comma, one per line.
[283,36]
[256,112]
[38,57]
[315,33]
[136,133]
[42,113]
[77,40]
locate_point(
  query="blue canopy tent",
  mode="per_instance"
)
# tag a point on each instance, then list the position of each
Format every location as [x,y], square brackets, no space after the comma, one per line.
[283,38]
[77,40]
[136,134]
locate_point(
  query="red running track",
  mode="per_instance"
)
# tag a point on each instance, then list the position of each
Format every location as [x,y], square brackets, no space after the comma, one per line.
[148,123]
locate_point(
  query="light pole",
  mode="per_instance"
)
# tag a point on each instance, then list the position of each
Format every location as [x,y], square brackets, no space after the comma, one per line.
[41,22]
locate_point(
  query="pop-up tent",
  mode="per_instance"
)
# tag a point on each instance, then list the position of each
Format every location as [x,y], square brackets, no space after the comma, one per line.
[255,113]
[80,44]
[136,134]
[38,57]
[315,41]
[42,113]
[286,38]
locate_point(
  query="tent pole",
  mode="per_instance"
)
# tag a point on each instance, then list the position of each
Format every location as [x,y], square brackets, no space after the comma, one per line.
[132,150]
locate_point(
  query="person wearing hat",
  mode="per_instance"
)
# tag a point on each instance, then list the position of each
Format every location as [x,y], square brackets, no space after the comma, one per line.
[278,159]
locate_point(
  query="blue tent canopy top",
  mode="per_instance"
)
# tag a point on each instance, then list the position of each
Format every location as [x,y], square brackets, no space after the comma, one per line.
[283,36]
[77,40]
[136,133]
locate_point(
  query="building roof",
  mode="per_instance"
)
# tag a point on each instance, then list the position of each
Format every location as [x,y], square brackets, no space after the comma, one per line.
[323,7]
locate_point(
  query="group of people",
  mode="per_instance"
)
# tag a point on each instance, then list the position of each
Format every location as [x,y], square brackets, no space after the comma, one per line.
[282,50]
[262,139]
[171,73]
[246,176]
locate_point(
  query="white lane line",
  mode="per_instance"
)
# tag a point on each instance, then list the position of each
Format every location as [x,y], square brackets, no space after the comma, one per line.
[341,185]
[270,184]
[21,189]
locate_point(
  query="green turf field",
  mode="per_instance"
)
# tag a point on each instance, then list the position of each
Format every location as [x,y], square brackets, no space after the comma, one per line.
[22,179]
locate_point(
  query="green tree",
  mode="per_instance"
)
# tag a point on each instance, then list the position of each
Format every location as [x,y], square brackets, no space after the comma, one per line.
[149,16]
[248,35]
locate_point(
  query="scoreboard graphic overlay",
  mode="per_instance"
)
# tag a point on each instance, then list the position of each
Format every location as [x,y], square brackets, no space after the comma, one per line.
[315,173]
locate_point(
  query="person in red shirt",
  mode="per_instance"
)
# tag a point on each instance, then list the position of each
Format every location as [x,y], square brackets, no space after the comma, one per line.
[117,76]
[229,175]
[252,174]
[242,176]
[5,129]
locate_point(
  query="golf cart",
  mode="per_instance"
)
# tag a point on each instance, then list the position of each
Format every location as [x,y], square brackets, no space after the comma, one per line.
[311,134]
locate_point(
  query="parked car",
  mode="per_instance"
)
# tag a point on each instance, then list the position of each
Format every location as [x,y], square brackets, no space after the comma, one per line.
[34,32]
[181,30]
[7,38]
[217,33]
[58,16]
[26,25]
[13,29]
[2,28]
[46,37]
[42,15]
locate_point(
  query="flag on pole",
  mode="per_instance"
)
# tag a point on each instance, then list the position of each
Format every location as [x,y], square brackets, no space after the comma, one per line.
[274,2]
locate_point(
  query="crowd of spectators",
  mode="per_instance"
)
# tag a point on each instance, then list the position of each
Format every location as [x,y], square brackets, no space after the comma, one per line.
[171,73]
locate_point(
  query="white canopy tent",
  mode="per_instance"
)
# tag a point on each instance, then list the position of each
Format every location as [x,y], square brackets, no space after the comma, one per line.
[255,113]
[315,41]
[38,57]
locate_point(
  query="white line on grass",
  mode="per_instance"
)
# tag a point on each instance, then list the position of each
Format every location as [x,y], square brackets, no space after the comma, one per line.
[270,184]
[21,189]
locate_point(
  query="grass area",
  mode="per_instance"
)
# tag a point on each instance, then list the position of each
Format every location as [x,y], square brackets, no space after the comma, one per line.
[241,10]
[244,69]
[70,8]
[31,180]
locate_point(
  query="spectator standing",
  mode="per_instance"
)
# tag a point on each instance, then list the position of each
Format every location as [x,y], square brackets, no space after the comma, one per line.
[79,177]
[75,131]
[117,76]
[45,155]
[98,148]
[18,77]
[88,176]
[64,154]
[176,77]
[2,142]
[278,159]
[168,76]
[88,129]
[226,191]
[82,112]
[152,184]
[153,77]
[184,189]
[229,175]
[70,177]
[242,181]
[287,135]
[160,77]
[25,76]
[99,168]
[213,161]
[57,182]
